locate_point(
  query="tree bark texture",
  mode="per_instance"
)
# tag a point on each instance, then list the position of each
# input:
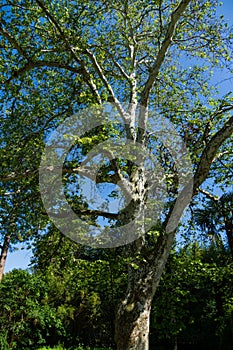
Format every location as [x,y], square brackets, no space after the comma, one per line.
[3,256]
[133,313]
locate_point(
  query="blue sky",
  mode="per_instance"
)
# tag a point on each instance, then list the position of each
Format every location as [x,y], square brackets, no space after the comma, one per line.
[227,10]
[18,259]
[21,258]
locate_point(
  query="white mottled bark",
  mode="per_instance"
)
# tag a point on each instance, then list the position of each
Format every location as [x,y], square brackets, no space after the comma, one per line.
[133,313]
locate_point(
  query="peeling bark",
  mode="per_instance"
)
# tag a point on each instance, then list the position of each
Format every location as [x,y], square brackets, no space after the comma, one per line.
[133,313]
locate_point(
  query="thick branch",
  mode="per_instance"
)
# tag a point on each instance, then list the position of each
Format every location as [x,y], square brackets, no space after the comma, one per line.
[82,170]
[84,212]
[210,152]
[175,16]
[30,65]
[201,174]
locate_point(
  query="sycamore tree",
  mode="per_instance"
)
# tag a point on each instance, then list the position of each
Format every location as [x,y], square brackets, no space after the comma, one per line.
[146,57]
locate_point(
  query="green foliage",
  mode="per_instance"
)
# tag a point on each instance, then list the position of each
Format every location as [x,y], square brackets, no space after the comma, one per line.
[59,347]
[26,320]
[216,220]
[69,298]
[84,285]
[194,300]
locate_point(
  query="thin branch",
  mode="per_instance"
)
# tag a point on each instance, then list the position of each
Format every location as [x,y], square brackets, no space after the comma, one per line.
[224,165]
[13,41]
[13,176]
[100,73]
[16,5]
[220,155]
[209,195]
[85,73]
[160,23]
[67,170]
[120,68]
[223,81]
[222,110]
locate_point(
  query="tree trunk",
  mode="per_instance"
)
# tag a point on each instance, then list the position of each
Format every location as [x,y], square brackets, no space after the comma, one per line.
[229,232]
[175,344]
[133,313]
[4,251]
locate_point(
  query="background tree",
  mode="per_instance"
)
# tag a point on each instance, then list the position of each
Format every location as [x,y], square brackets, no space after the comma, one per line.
[90,282]
[217,217]
[159,54]
[26,319]
[192,306]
